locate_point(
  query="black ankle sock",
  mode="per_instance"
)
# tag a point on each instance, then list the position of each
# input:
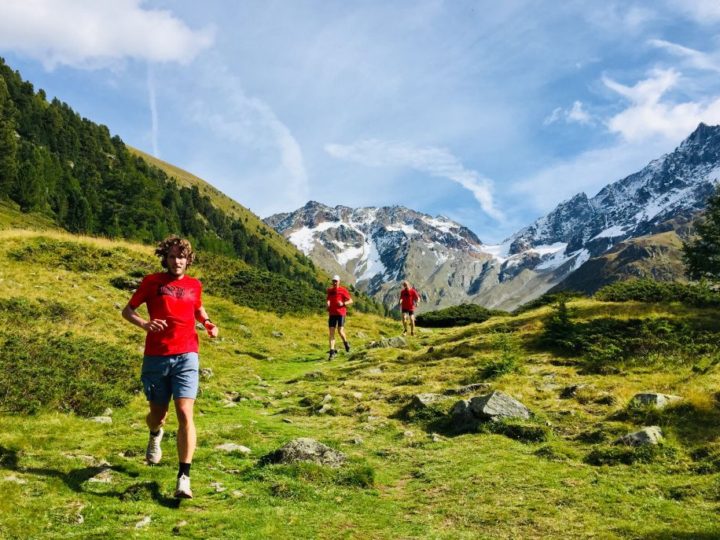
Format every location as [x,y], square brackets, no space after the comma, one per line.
[184,469]
[155,433]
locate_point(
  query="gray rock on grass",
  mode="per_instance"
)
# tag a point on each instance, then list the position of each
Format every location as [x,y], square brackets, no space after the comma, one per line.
[102,419]
[424,401]
[397,342]
[647,435]
[653,399]
[465,415]
[306,450]
[233,448]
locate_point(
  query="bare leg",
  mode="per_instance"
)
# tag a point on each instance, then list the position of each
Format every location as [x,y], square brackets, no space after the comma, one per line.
[341,331]
[186,437]
[412,324]
[332,338]
[155,419]
[404,321]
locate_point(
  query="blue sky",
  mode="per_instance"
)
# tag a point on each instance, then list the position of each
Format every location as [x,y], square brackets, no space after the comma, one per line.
[487,112]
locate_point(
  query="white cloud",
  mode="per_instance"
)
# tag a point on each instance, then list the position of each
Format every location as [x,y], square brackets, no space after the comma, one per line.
[437,162]
[694,58]
[575,114]
[92,34]
[701,11]
[648,116]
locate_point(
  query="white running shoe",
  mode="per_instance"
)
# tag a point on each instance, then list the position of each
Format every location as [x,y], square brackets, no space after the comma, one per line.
[153,454]
[182,490]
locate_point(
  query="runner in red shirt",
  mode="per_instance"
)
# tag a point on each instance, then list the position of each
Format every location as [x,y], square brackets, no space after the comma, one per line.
[171,365]
[409,299]
[338,298]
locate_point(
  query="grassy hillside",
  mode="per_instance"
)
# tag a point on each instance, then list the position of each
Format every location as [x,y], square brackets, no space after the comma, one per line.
[557,475]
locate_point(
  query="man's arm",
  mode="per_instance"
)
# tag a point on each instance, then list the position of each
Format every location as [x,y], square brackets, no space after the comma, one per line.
[153,325]
[202,317]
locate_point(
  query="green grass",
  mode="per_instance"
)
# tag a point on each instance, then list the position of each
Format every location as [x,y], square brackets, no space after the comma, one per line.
[557,475]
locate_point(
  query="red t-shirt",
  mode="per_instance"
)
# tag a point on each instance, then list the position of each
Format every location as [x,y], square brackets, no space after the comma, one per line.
[176,301]
[409,297]
[335,295]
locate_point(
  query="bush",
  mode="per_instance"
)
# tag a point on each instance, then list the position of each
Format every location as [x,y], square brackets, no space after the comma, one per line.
[548,299]
[648,290]
[461,315]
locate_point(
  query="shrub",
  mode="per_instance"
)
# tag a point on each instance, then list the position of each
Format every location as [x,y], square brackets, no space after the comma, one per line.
[648,290]
[461,315]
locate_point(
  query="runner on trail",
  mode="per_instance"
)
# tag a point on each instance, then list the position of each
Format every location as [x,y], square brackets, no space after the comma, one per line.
[170,365]
[409,299]
[338,298]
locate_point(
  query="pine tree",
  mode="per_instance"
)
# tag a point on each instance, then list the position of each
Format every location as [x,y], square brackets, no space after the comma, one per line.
[8,142]
[702,254]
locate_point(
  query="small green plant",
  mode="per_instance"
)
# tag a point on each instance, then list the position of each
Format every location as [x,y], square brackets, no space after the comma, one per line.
[461,315]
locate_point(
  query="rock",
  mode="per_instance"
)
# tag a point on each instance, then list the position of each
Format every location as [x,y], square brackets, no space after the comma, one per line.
[219,488]
[277,334]
[647,435]
[434,437]
[327,398]
[408,434]
[108,412]
[117,306]
[102,419]
[287,420]
[325,409]
[206,373]
[397,342]
[104,476]
[91,298]
[421,402]
[306,450]
[232,447]
[474,387]
[144,522]
[357,395]
[571,391]
[237,494]
[374,371]
[465,415]
[652,399]
[357,440]
[498,405]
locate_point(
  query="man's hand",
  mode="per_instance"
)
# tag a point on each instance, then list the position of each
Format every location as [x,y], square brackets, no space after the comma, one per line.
[155,325]
[212,329]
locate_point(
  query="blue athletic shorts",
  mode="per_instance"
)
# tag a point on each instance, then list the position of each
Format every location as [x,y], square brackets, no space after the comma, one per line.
[336,320]
[175,376]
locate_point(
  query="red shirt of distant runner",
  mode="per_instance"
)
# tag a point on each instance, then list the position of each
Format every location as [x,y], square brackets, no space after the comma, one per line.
[176,301]
[335,295]
[409,297]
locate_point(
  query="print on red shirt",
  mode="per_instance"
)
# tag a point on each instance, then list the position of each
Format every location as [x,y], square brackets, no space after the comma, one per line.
[176,301]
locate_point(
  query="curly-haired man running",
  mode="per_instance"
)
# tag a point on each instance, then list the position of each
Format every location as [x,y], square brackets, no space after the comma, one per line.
[171,365]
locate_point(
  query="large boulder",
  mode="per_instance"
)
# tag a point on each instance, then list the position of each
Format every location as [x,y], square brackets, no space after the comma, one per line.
[653,399]
[306,450]
[647,435]
[467,414]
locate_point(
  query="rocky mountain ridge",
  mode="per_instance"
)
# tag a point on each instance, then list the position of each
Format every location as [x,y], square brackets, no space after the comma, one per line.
[375,248]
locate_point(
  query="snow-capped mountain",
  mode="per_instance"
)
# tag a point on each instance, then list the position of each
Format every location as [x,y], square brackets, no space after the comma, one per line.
[376,248]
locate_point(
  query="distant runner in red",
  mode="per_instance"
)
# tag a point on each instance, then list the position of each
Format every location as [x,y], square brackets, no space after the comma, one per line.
[409,299]
[170,365]
[338,298]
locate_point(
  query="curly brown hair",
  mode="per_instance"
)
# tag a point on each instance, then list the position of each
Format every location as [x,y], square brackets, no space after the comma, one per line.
[163,249]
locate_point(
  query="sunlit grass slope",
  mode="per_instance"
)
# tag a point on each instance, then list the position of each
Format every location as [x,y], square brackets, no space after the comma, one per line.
[555,476]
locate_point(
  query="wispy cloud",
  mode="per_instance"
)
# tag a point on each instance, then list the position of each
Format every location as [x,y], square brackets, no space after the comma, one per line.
[649,116]
[436,162]
[154,124]
[89,34]
[575,114]
[694,58]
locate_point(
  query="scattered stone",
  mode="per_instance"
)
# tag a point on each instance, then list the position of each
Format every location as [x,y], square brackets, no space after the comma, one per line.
[102,419]
[467,414]
[652,399]
[305,449]
[277,334]
[117,306]
[434,437]
[397,342]
[357,395]
[144,522]
[421,402]
[228,403]
[357,441]
[232,447]
[408,434]
[325,409]
[219,488]
[474,387]
[206,373]
[327,398]
[104,476]
[14,479]
[571,391]
[91,298]
[237,493]
[647,435]
[287,420]
[108,412]
[374,371]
